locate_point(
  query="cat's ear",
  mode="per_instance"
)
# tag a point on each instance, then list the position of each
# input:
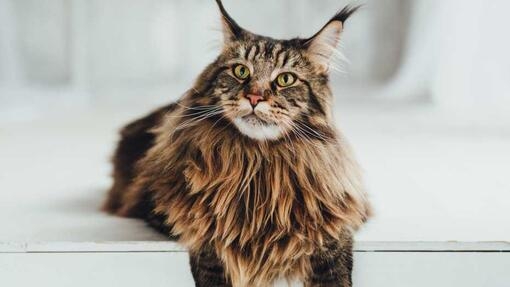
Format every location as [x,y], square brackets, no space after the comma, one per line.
[231,31]
[321,46]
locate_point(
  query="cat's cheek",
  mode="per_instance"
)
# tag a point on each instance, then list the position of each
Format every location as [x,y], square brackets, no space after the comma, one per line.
[262,110]
[237,108]
[245,107]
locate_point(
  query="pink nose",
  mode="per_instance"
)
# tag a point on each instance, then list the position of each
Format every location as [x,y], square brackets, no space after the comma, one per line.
[254,99]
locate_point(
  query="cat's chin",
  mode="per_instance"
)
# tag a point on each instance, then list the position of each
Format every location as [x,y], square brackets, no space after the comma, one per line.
[257,129]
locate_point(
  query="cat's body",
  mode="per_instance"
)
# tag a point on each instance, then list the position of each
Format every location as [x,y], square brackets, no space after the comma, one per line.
[257,185]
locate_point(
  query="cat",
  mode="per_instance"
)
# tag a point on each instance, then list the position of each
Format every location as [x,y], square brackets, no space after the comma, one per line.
[246,169]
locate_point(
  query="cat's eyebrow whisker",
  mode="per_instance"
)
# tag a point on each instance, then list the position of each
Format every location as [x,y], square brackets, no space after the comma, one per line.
[339,62]
[337,68]
[332,54]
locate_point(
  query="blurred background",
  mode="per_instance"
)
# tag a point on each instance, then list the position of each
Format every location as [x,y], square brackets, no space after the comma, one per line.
[451,54]
[424,98]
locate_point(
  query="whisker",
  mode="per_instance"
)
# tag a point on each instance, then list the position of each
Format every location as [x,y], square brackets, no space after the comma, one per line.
[317,134]
[287,136]
[194,121]
[195,113]
[201,107]
[223,116]
[302,134]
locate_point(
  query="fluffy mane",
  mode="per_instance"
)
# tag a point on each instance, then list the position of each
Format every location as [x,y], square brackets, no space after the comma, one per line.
[263,206]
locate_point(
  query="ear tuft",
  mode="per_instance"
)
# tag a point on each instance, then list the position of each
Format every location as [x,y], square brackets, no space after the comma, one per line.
[322,45]
[345,13]
[231,30]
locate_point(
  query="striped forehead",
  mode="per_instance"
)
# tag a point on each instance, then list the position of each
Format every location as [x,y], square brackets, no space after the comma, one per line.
[268,52]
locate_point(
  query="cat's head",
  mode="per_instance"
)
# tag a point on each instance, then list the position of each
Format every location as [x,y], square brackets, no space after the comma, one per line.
[269,88]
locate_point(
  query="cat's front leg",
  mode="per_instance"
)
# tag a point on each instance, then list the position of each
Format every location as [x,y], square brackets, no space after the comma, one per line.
[207,269]
[332,266]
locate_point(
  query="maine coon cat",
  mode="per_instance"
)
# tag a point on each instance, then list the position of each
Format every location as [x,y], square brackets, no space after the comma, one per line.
[246,169]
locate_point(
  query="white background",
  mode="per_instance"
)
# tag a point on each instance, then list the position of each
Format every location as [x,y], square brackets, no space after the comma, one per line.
[424,99]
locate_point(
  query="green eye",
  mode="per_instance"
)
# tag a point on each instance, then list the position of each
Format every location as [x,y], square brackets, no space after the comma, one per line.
[285,79]
[241,72]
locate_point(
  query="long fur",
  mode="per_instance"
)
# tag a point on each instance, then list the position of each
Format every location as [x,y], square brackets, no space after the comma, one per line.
[265,207]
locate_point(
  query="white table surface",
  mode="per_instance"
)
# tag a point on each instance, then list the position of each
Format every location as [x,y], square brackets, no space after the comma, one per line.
[434,180]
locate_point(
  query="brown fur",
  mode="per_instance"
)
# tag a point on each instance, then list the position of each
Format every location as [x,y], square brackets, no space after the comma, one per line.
[265,209]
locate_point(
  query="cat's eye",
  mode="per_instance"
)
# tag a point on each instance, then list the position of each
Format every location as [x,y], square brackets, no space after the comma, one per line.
[241,72]
[285,79]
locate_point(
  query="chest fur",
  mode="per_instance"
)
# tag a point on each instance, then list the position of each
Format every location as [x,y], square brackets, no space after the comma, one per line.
[264,211]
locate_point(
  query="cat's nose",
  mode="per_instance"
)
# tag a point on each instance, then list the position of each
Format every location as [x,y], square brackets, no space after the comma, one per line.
[254,99]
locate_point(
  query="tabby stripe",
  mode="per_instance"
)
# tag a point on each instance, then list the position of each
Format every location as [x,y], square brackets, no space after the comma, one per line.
[293,102]
[261,46]
[246,52]
[285,59]
[279,60]
[278,105]
[210,82]
[273,87]
[313,98]
[276,52]
[255,50]
[252,53]
[269,48]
